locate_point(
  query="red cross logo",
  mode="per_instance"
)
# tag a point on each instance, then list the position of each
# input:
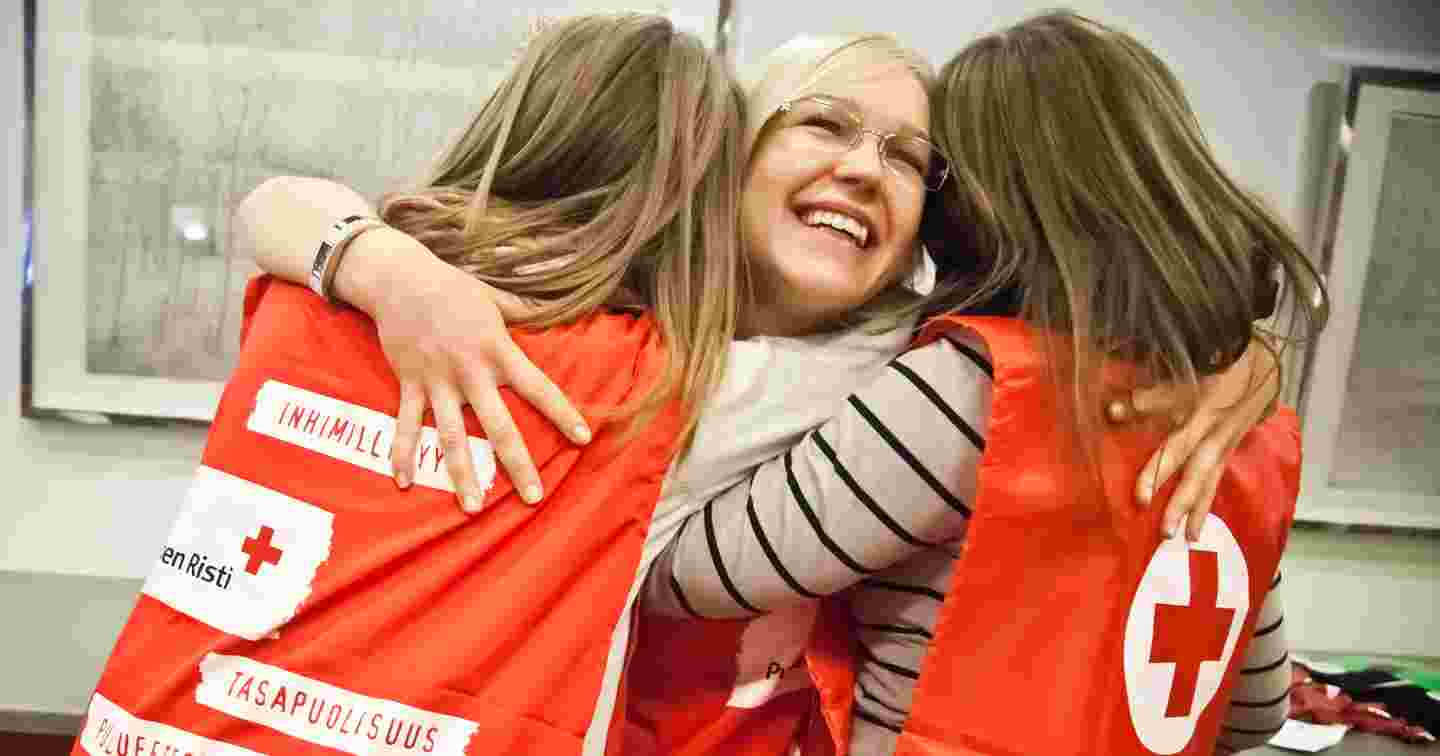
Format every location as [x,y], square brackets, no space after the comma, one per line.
[260,550]
[1188,635]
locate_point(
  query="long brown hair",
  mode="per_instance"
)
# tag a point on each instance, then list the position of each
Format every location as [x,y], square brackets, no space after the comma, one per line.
[1083,181]
[604,170]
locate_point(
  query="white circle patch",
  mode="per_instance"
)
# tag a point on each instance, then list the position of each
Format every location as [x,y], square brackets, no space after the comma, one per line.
[1181,633]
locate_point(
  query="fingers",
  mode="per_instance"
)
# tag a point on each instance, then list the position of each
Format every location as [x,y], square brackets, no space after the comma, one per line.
[1124,409]
[407,432]
[1206,499]
[1195,494]
[455,442]
[1167,398]
[1210,427]
[505,439]
[1120,410]
[1222,442]
[1171,455]
[531,383]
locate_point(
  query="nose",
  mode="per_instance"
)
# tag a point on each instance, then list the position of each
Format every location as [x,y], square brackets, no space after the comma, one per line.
[861,164]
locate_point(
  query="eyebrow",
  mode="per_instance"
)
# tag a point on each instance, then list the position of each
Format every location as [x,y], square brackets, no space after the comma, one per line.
[904,129]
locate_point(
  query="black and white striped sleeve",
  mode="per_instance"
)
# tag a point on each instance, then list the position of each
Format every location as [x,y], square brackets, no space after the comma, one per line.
[895,614]
[891,475]
[1261,697]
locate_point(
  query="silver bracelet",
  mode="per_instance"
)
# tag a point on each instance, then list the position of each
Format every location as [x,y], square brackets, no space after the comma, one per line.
[332,249]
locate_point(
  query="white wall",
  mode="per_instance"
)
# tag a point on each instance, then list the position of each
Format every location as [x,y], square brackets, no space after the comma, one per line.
[1248,67]
[98,500]
[83,500]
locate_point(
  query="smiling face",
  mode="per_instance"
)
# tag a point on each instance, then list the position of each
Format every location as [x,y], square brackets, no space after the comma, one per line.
[826,231]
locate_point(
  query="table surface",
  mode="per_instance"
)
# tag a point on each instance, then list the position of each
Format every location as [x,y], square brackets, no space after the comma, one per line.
[62,627]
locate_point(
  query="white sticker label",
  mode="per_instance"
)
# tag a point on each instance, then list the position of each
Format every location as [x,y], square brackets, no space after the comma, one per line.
[324,714]
[769,649]
[241,557]
[357,435]
[110,730]
[1184,623]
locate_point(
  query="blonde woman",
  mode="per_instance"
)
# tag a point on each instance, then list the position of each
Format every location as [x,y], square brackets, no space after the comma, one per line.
[809,278]
[777,387]
[301,602]
[1085,190]
[444,331]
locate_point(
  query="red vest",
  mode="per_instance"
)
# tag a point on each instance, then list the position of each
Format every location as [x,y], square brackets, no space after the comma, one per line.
[303,604]
[742,687]
[1072,626]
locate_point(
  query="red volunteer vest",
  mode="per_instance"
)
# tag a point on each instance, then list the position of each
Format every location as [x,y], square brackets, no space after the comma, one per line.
[303,604]
[1073,626]
[743,687]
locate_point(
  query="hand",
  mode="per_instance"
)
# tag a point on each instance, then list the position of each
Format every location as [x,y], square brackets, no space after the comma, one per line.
[1211,425]
[444,334]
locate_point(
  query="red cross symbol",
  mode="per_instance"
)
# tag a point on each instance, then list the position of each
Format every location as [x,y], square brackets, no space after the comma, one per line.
[260,550]
[1188,635]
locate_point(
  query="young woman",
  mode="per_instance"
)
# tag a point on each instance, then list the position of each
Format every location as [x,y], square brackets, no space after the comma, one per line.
[812,267]
[301,602]
[1084,185]
[776,387]
[444,331]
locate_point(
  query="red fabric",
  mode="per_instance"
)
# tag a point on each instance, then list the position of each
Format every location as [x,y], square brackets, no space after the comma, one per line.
[1312,701]
[1044,587]
[503,619]
[683,675]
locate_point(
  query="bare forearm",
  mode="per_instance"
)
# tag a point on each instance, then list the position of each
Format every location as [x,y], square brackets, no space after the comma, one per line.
[280,222]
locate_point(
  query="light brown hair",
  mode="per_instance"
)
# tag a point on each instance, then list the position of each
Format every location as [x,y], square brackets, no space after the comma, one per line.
[604,171]
[1083,181]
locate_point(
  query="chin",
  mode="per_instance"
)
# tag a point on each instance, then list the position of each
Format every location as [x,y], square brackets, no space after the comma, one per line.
[826,304]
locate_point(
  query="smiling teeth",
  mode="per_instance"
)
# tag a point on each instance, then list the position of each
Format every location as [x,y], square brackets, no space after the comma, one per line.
[839,222]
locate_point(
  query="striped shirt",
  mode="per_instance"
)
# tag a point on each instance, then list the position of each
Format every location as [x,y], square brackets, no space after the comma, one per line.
[876,501]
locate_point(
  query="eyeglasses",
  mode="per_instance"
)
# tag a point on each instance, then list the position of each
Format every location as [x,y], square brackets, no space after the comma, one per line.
[836,126]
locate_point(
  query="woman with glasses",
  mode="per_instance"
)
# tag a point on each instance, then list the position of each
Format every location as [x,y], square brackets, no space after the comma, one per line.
[841,168]
[445,336]
[1163,272]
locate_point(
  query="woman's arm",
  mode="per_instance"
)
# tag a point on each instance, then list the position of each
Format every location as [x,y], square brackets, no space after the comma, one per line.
[443,331]
[1228,406]
[280,222]
[1261,698]
[889,476]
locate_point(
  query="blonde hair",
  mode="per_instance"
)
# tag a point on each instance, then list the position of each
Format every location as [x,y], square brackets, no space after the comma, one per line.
[1083,179]
[807,64]
[604,170]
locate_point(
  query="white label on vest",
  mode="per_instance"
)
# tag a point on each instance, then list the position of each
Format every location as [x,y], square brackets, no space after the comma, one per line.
[769,648]
[324,714]
[1181,633]
[110,730]
[357,435]
[240,557]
